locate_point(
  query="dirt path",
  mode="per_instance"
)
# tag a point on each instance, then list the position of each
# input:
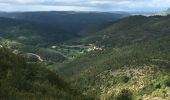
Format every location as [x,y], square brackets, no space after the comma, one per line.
[39,57]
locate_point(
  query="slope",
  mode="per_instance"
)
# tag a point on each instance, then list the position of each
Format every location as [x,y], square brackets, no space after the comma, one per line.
[31,37]
[32,33]
[133,61]
[20,80]
[129,30]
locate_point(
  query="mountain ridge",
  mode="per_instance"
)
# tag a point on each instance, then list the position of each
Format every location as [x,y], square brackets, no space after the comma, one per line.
[70,21]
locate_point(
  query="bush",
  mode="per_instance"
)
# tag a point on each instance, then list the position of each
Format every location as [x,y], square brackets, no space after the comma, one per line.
[125,95]
[157,85]
[167,82]
[120,79]
[125,79]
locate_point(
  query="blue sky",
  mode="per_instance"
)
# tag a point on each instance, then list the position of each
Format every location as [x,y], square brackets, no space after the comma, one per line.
[84,5]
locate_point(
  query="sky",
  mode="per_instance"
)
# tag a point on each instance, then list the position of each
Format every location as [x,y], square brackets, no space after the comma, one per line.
[85,5]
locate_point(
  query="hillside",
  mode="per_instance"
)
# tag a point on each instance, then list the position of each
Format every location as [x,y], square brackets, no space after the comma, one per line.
[132,62]
[39,32]
[20,80]
[129,30]
[70,21]
[31,37]
[127,59]
[32,33]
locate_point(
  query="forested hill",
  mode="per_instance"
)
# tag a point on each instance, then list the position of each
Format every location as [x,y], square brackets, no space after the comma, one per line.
[20,80]
[129,60]
[126,59]
[31,32]
[70,21]
[129,30]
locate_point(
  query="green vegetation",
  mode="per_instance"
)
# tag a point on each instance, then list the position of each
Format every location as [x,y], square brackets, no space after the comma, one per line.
[135,56]
[126,60]
[69,21]
[124,95]
[20,80]
[127,31]
[31,33]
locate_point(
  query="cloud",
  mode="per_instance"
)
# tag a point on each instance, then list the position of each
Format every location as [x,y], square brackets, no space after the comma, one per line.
[84,5]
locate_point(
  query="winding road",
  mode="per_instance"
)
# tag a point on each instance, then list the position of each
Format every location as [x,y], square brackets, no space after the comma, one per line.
[39,57]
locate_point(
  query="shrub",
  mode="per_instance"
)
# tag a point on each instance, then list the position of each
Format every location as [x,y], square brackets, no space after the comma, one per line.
[167,82]
[157,85]
[125,79]
[125,95]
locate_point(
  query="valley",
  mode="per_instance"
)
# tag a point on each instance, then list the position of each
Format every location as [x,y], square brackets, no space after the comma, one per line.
[122,57]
